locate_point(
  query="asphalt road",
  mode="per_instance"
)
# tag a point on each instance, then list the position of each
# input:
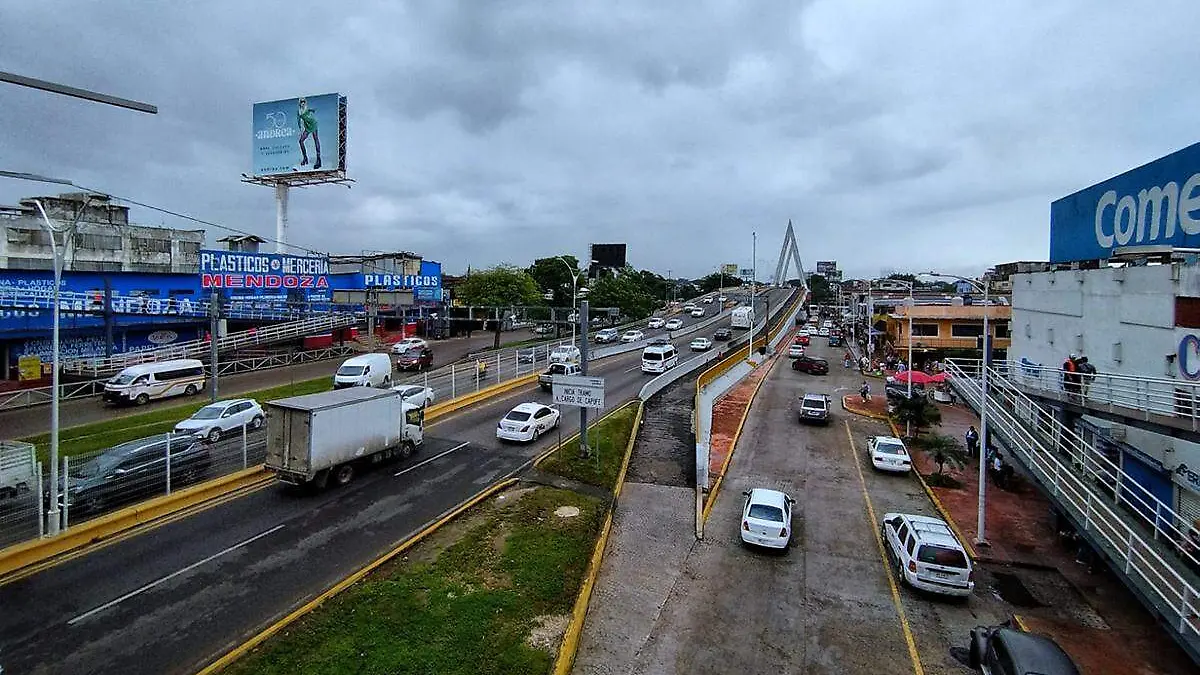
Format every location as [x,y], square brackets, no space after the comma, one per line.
[172,599]
[827,605]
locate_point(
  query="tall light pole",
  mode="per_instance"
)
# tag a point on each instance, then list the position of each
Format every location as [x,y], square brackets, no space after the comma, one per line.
[574,293]
[753,283]
[981,518]
[911,304]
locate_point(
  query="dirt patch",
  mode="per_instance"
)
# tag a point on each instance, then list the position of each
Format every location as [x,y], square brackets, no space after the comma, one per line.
[547,631]
[566,511]
[1010,589]
[451,532]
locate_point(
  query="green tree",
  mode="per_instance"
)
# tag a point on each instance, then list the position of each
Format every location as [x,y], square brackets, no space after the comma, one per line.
[918,412]
[501,286]
[821,291]
[944,450]
[554,275]
[712,282]
[626,291]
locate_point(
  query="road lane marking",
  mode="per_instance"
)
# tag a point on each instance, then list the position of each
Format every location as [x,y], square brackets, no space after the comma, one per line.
[460,446]
[887,565]
[172,575]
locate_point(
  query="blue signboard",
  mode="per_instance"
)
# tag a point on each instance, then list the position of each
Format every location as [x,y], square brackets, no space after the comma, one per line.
[426,286]
[1157,204]
[138,297]
[92,346]
[299,135]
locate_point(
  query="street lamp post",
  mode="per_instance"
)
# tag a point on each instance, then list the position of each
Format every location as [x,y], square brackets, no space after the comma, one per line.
[981,518]
[574,293]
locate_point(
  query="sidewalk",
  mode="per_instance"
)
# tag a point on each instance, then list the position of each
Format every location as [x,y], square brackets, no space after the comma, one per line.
[1021,533]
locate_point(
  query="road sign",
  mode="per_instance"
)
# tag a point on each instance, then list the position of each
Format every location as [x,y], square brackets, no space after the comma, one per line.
[581,392]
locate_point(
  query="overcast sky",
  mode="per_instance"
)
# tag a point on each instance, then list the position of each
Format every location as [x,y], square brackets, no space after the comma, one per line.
[895,135]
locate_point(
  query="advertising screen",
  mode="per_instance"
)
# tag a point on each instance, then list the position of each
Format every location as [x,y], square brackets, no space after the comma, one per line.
[827,268]
[609,255]
[299,135]
[729,269]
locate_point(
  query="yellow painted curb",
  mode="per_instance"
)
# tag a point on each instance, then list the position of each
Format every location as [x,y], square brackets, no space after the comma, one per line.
[737,434]
[537,461]
[570,643]
[262,636]
[445,408]
[24,555]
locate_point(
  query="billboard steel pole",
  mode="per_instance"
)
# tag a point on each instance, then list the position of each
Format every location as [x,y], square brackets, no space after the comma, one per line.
[214,322]
[584,450]
[281,217]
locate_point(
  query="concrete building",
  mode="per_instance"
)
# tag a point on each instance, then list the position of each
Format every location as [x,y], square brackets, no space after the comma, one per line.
[104,241]
[950,329]
[1131,320]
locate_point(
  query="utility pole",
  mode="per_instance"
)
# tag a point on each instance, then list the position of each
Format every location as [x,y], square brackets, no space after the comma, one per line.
[372,311]
[214,322]
[753,282]
[584,450]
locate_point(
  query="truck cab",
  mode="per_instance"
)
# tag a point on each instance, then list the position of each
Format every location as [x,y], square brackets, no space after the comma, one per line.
[546,379]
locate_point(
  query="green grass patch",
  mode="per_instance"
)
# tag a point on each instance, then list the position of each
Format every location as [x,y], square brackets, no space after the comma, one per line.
[100,435]
[608,440]
[464,601]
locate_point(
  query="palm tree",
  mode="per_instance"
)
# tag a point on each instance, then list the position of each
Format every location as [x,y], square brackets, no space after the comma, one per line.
[944,450]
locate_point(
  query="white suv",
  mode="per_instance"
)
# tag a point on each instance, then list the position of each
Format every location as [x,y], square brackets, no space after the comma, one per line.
[655,322]
[215,419]
[927,555]
[564,354]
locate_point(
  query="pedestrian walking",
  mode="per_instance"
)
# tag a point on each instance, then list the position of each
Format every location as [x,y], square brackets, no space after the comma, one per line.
[1087,373]
[972,438]
[865,392]
[1071,376]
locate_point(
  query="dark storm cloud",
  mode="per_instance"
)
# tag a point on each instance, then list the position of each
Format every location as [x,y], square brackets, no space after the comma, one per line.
[892,134]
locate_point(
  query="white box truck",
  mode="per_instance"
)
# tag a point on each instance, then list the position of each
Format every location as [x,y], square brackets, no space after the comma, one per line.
[315,437]
[742,317]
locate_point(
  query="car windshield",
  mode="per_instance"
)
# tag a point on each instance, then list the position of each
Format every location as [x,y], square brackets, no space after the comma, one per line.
[890,448]
[209,412]
[96,466]
[562,350]
[652,356]
[517,416]
[122,378]
[766,512]
[941,555]
[349,371]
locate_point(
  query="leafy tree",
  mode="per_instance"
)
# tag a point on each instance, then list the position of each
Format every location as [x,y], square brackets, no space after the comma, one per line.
[499,286]
[910,278]
[822,293]
[918,412]
[554,275]
[626,291]
[712,282]
[944,450]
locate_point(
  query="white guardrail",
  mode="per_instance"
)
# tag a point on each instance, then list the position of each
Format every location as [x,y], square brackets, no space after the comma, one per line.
[1125,520]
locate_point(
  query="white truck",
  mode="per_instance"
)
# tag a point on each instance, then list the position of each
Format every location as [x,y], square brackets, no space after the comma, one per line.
[546,379]
[742,317]
[315,437]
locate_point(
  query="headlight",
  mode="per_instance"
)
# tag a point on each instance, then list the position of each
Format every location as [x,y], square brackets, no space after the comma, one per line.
[525,428]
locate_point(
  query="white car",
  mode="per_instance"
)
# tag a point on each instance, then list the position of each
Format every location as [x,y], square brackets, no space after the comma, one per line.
[674,324]
[795,351]
[527,422]
[701,344]
[415,394]
[632,335]
[828,324]
[927,555]
[698,312]
[564,354]
[656,322]
[888,454]
[708,300]
[767,518]
[408,343]
[805,332]
[723,299]
[824,332]
[216,419]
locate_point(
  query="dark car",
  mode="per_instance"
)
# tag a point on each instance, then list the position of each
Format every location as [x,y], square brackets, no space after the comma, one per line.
[807,364]
[136,470]
[723,334]
[835,341]
[1004,650]
[415,359]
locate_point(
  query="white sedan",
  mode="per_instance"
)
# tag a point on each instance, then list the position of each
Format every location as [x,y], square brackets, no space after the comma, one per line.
[415,394]
[656,322]
[701,344]
[632,336]
[527,422]
[215,419]
[888,454]
[795,351]
[408,343]
[767,518]
[674,324]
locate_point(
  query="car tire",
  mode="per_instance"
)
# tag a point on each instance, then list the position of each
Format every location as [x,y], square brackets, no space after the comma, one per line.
[537,433]
[257,422]
[190,390]
[406,450]
[387,382]
[142,399]
[343,474]
[213,435]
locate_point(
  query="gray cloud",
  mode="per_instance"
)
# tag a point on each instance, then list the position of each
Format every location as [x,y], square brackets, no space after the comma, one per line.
[894,134]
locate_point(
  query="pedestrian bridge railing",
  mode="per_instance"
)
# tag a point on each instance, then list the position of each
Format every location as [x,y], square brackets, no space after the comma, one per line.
[1142,535]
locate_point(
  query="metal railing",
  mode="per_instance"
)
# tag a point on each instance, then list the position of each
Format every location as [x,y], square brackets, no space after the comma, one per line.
[1135,396]
[1134,528]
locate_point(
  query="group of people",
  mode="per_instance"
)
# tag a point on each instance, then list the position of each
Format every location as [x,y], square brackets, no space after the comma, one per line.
[1077,376]
[1000,471]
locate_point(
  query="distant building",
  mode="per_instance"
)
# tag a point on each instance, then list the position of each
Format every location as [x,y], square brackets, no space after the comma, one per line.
[395,263]
[104,239]
[939,331]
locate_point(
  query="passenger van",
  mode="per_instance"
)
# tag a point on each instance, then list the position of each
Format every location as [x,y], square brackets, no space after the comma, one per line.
[659,358]
[364,370]
[139,384]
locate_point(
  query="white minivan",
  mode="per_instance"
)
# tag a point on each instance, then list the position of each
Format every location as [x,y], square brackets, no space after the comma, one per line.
[139,384]
[364,370]
[659,358]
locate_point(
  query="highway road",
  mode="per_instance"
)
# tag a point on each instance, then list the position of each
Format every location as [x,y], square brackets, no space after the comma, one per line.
[174,598]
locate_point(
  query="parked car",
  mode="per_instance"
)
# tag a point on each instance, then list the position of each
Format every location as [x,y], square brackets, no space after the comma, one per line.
[795,351]
[415,394]
[408,343]
[1004,650]
[415,359]
[807,364]
[134,470]
[701,344]
[767,518]
[814,408]
[564,354]
[674,324]
[216,419]
[655,323]
[607,335]
[927,555]
[722,334]
[632,335]
[527,422]
[888,453]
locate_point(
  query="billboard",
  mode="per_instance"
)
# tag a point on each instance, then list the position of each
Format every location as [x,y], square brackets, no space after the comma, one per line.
[426,286]
[827,268]
[300,135]
[729,269]
[237,269]
[1156,204]
[608,255]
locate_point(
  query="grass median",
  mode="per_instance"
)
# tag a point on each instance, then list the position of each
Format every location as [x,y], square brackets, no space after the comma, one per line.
[100,435]
[489,593]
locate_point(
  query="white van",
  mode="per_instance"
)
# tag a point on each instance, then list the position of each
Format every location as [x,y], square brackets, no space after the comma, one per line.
[364,370]
[659,358]
[139,384]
